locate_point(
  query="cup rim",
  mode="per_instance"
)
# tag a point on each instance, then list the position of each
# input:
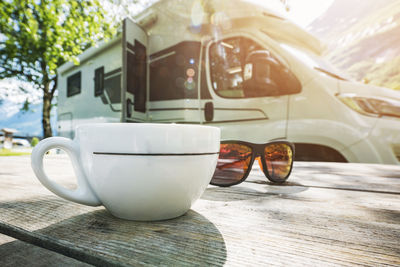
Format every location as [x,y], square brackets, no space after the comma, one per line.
[139,124]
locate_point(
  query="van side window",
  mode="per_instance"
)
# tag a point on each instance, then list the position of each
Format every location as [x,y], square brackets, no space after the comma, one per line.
[174,72]
[240,68]
[112,85]
[74,84]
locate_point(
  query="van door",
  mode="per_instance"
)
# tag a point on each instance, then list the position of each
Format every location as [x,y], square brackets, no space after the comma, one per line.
[65,128]
[134,78]
[173,89]
[243,110]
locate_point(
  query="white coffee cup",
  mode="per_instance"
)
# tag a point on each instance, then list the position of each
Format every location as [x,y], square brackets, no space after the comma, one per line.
[138,171]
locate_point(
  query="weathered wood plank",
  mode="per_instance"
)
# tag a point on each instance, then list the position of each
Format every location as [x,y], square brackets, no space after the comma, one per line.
[357,177]
[17,253]
[307,222]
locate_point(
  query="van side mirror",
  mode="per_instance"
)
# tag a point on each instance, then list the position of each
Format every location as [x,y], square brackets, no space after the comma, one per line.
[209,111]
[266,76]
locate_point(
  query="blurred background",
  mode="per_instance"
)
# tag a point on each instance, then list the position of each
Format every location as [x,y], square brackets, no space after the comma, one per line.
[361,39]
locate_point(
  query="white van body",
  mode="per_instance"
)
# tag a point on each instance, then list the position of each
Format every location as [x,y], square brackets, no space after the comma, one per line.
[182,61]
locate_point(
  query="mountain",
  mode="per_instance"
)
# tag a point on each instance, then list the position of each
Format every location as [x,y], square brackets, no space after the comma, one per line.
[363,39]
[13,95]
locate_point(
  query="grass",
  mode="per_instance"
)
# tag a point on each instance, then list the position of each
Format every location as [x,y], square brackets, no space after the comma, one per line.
[8,152]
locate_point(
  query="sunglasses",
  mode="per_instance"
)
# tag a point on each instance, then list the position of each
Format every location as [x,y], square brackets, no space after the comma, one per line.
[236,158]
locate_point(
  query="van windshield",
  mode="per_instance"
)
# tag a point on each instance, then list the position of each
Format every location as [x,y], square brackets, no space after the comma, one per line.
[315,62]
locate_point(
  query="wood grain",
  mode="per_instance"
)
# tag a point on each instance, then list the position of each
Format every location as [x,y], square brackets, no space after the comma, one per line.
[327,214]
[17,253]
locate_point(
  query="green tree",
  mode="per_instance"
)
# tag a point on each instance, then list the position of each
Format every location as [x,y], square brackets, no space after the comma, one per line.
[37,36]
[34,141]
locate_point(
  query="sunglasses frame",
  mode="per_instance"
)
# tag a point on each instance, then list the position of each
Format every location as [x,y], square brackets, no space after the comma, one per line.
[258,151]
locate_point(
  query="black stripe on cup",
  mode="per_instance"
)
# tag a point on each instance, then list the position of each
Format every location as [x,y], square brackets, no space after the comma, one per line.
[154,154]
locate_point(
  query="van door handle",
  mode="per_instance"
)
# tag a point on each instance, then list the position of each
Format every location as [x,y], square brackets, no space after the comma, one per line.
[209,111]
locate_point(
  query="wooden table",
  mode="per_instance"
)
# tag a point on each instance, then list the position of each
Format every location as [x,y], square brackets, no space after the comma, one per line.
[328,214]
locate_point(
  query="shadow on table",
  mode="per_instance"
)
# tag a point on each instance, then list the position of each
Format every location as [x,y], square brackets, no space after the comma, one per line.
[245,191]
[18,253]
[99,238]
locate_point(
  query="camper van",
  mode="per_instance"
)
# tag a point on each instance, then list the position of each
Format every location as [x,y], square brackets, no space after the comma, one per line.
[236,65]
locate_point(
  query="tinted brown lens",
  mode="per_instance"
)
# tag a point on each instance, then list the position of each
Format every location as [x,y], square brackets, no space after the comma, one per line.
[278,158]
[233,162]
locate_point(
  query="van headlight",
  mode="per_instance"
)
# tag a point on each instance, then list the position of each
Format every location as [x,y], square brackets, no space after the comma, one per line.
[371,106]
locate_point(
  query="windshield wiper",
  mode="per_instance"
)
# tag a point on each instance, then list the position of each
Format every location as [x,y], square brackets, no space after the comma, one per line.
[330,74]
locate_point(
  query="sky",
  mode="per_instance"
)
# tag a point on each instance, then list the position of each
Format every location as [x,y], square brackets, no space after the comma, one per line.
[303,12]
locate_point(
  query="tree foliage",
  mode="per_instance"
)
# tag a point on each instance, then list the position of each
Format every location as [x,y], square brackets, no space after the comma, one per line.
[34,141]
[37,36]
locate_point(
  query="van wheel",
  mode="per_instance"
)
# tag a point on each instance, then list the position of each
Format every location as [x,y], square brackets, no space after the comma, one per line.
[311,152]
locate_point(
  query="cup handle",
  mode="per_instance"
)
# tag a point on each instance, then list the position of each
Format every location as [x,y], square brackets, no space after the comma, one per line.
[83,194]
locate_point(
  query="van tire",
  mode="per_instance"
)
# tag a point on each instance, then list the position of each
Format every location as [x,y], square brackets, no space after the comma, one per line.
[312,152]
